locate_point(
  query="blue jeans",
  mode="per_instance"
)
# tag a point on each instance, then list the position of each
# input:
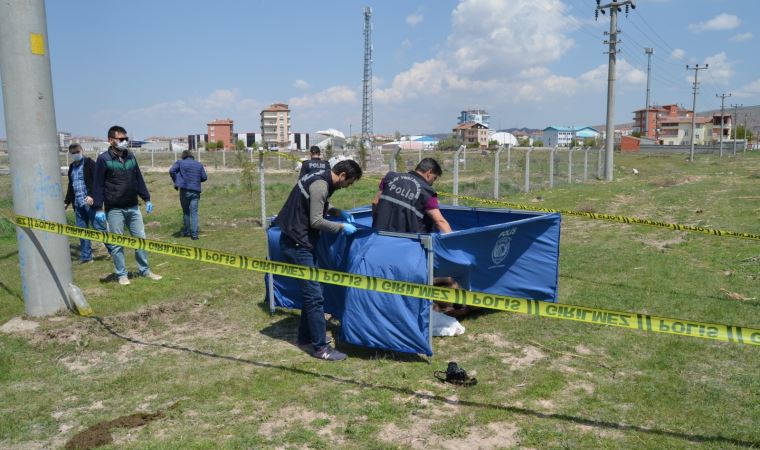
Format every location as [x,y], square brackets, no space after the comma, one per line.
[118,218]
[85,217]
[311,330]
[189,201]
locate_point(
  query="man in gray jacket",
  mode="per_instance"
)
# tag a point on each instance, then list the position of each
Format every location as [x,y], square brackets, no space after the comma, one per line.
[301,220]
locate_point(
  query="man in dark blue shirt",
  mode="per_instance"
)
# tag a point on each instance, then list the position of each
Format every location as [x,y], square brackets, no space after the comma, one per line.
[188,174]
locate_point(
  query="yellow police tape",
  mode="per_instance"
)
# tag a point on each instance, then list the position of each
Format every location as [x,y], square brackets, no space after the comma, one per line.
[601,216]
[725,333]
[610,217]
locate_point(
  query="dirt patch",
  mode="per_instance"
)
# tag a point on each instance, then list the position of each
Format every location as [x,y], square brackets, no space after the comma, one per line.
[519,356]
[100,434]
[17,325]
[661,245]
[670,181]
[528,357]
[321,423]
[418,436]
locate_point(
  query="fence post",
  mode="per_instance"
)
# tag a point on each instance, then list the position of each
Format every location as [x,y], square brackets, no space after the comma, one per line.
[551,166]
[527,170]
[456,174]
[262,186]
[599,164]
[496,171]
[509,157]
[224,158]
[152,160]
[585,164]
[569,165]
[394,155]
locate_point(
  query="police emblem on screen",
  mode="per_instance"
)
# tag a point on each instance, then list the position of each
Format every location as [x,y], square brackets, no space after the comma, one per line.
[501,248]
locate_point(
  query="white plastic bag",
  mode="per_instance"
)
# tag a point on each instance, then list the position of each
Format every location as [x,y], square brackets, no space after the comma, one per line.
[443,325]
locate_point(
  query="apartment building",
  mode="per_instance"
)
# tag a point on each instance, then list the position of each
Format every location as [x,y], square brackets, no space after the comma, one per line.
[275,126]
[475,115]
[222,130]
[472,133]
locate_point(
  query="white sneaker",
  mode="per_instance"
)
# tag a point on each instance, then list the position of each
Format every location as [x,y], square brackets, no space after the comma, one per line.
[153,276]
[124,281]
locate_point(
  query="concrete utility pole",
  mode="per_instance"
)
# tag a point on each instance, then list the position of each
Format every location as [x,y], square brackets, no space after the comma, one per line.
[722,100]
[33,149]
[614,7]
[735,125]
[649,52]
[696,70]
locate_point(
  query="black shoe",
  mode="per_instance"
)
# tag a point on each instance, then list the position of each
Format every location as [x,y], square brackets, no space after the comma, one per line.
[195,238]
[329,354]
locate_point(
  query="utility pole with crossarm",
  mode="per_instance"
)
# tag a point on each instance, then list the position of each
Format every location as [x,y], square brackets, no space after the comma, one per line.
[614,7]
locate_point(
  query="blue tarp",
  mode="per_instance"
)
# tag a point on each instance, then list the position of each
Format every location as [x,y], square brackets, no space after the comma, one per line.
[504,252]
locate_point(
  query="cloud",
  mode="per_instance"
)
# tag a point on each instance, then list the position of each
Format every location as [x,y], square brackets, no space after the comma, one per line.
[721,69]
[414,19]
[301,84]
[750,89]
[331,96]
[219,99]
[490,43]
[741,37]
[678,53]
[183,116]
[720,22]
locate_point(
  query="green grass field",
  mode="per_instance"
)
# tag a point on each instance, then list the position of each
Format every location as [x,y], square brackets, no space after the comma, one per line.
[200,348]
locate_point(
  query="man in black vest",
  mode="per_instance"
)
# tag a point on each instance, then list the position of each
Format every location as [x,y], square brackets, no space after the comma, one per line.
[315,163]
[118,183]
[407,203]
[301,220]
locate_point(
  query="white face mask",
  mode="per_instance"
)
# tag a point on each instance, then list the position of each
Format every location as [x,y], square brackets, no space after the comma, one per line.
[77,156]
[122,145]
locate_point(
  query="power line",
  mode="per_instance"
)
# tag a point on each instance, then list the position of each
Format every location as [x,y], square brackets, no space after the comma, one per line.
[653,30]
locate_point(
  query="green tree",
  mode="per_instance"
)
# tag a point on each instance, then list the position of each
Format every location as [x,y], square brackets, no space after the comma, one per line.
[449,144]
[329,151]
[589,142]
[219,145]
[493,143]
[636,134]
[741,132]
[523,142]
[239,145]
[538,143]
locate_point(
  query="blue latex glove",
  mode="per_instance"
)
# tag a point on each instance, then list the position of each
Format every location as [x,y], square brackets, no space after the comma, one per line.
[348,217]
[348,229]
[100,216]
[149,207]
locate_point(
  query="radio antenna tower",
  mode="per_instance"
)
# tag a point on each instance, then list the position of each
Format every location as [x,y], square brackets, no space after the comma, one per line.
[367,81]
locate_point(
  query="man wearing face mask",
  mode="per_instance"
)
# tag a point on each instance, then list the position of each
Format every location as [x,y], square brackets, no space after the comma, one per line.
[118,183]
[81,174]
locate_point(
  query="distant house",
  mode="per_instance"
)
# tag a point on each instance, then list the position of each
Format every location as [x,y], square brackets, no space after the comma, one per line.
[470,133]
[556,136]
